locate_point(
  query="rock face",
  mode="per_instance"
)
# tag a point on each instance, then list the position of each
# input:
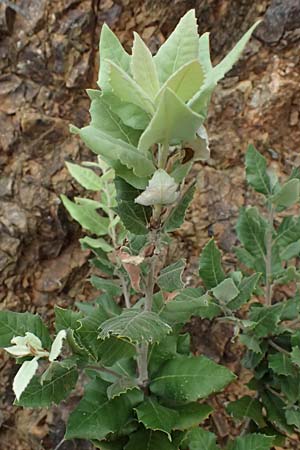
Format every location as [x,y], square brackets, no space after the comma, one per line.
[49,56]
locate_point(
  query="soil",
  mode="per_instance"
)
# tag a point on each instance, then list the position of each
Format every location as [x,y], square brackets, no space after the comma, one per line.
[49,56]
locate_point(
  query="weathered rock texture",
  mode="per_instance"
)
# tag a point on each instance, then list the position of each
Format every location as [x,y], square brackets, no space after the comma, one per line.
[48,57]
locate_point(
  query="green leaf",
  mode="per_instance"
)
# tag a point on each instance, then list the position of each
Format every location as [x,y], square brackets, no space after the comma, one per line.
[246,288]
[121,386]
[150,440]
[288,194]
[199,439]
[85,177]
[253,442]
[256,171]
[190,378]
[156,417]
[293,416]
[96,416]
[180,48]
[210,268]
[14,324]
[226,291]
[251,231]
[189,302]
[111,48]
[40,395]
[143,67]
[114,149]
[103,118]
[87,217]
[185,82]
[127,90]
[172,122]
[108,351]
[109,286]
[281,364]
[291,251]
[266,318]
[136,326]
[275,411]
[251,342]
[110,445]
[247,407]
[288,231]
[176,217]
[191,414]
[170,278]
[134,216]
[295,356]
[66,318]
[88,242]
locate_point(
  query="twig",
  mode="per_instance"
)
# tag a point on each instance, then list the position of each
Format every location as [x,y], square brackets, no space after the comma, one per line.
[60,444]
[104,369]
[125,291]
[277,347]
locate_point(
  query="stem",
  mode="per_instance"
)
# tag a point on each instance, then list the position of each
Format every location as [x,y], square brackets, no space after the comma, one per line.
[125,290]
[163,153]
[111,215]
[142,359]
[269,243]
[277,347]
[104,369]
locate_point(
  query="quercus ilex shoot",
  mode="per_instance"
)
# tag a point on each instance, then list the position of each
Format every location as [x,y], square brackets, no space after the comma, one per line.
[143,386]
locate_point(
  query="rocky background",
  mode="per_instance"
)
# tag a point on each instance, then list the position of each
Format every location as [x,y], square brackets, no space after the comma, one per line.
[48,57]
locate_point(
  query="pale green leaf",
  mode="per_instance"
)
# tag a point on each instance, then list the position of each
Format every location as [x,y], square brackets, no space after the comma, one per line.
[190,378]
[117,150]
[143,67]
[62,381]
[161,190]
[251,230]
[246,288]
[110,47]
[226,291]
[136,326]
[24,376]
[210,268]
[86,177]
[256,171]
[170,277]
[150,440]
[127,90]
[200,145]
[87,217]
[177,215]
[57,345]
[156,417]
[185,82]
[204,53]
[231,58]
[103,118]
[290,251]
[172,122]
[180,48]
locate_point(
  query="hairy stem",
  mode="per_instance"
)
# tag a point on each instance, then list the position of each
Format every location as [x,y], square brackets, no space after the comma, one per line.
[125,290]
[163,153]
[269,243]
[142,360]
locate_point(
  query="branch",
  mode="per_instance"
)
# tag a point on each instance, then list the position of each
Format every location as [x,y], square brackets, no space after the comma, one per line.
[269,243]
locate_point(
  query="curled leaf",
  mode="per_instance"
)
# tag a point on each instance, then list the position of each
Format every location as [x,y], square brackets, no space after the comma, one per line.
[161,190]
[24,376]
[57,345]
